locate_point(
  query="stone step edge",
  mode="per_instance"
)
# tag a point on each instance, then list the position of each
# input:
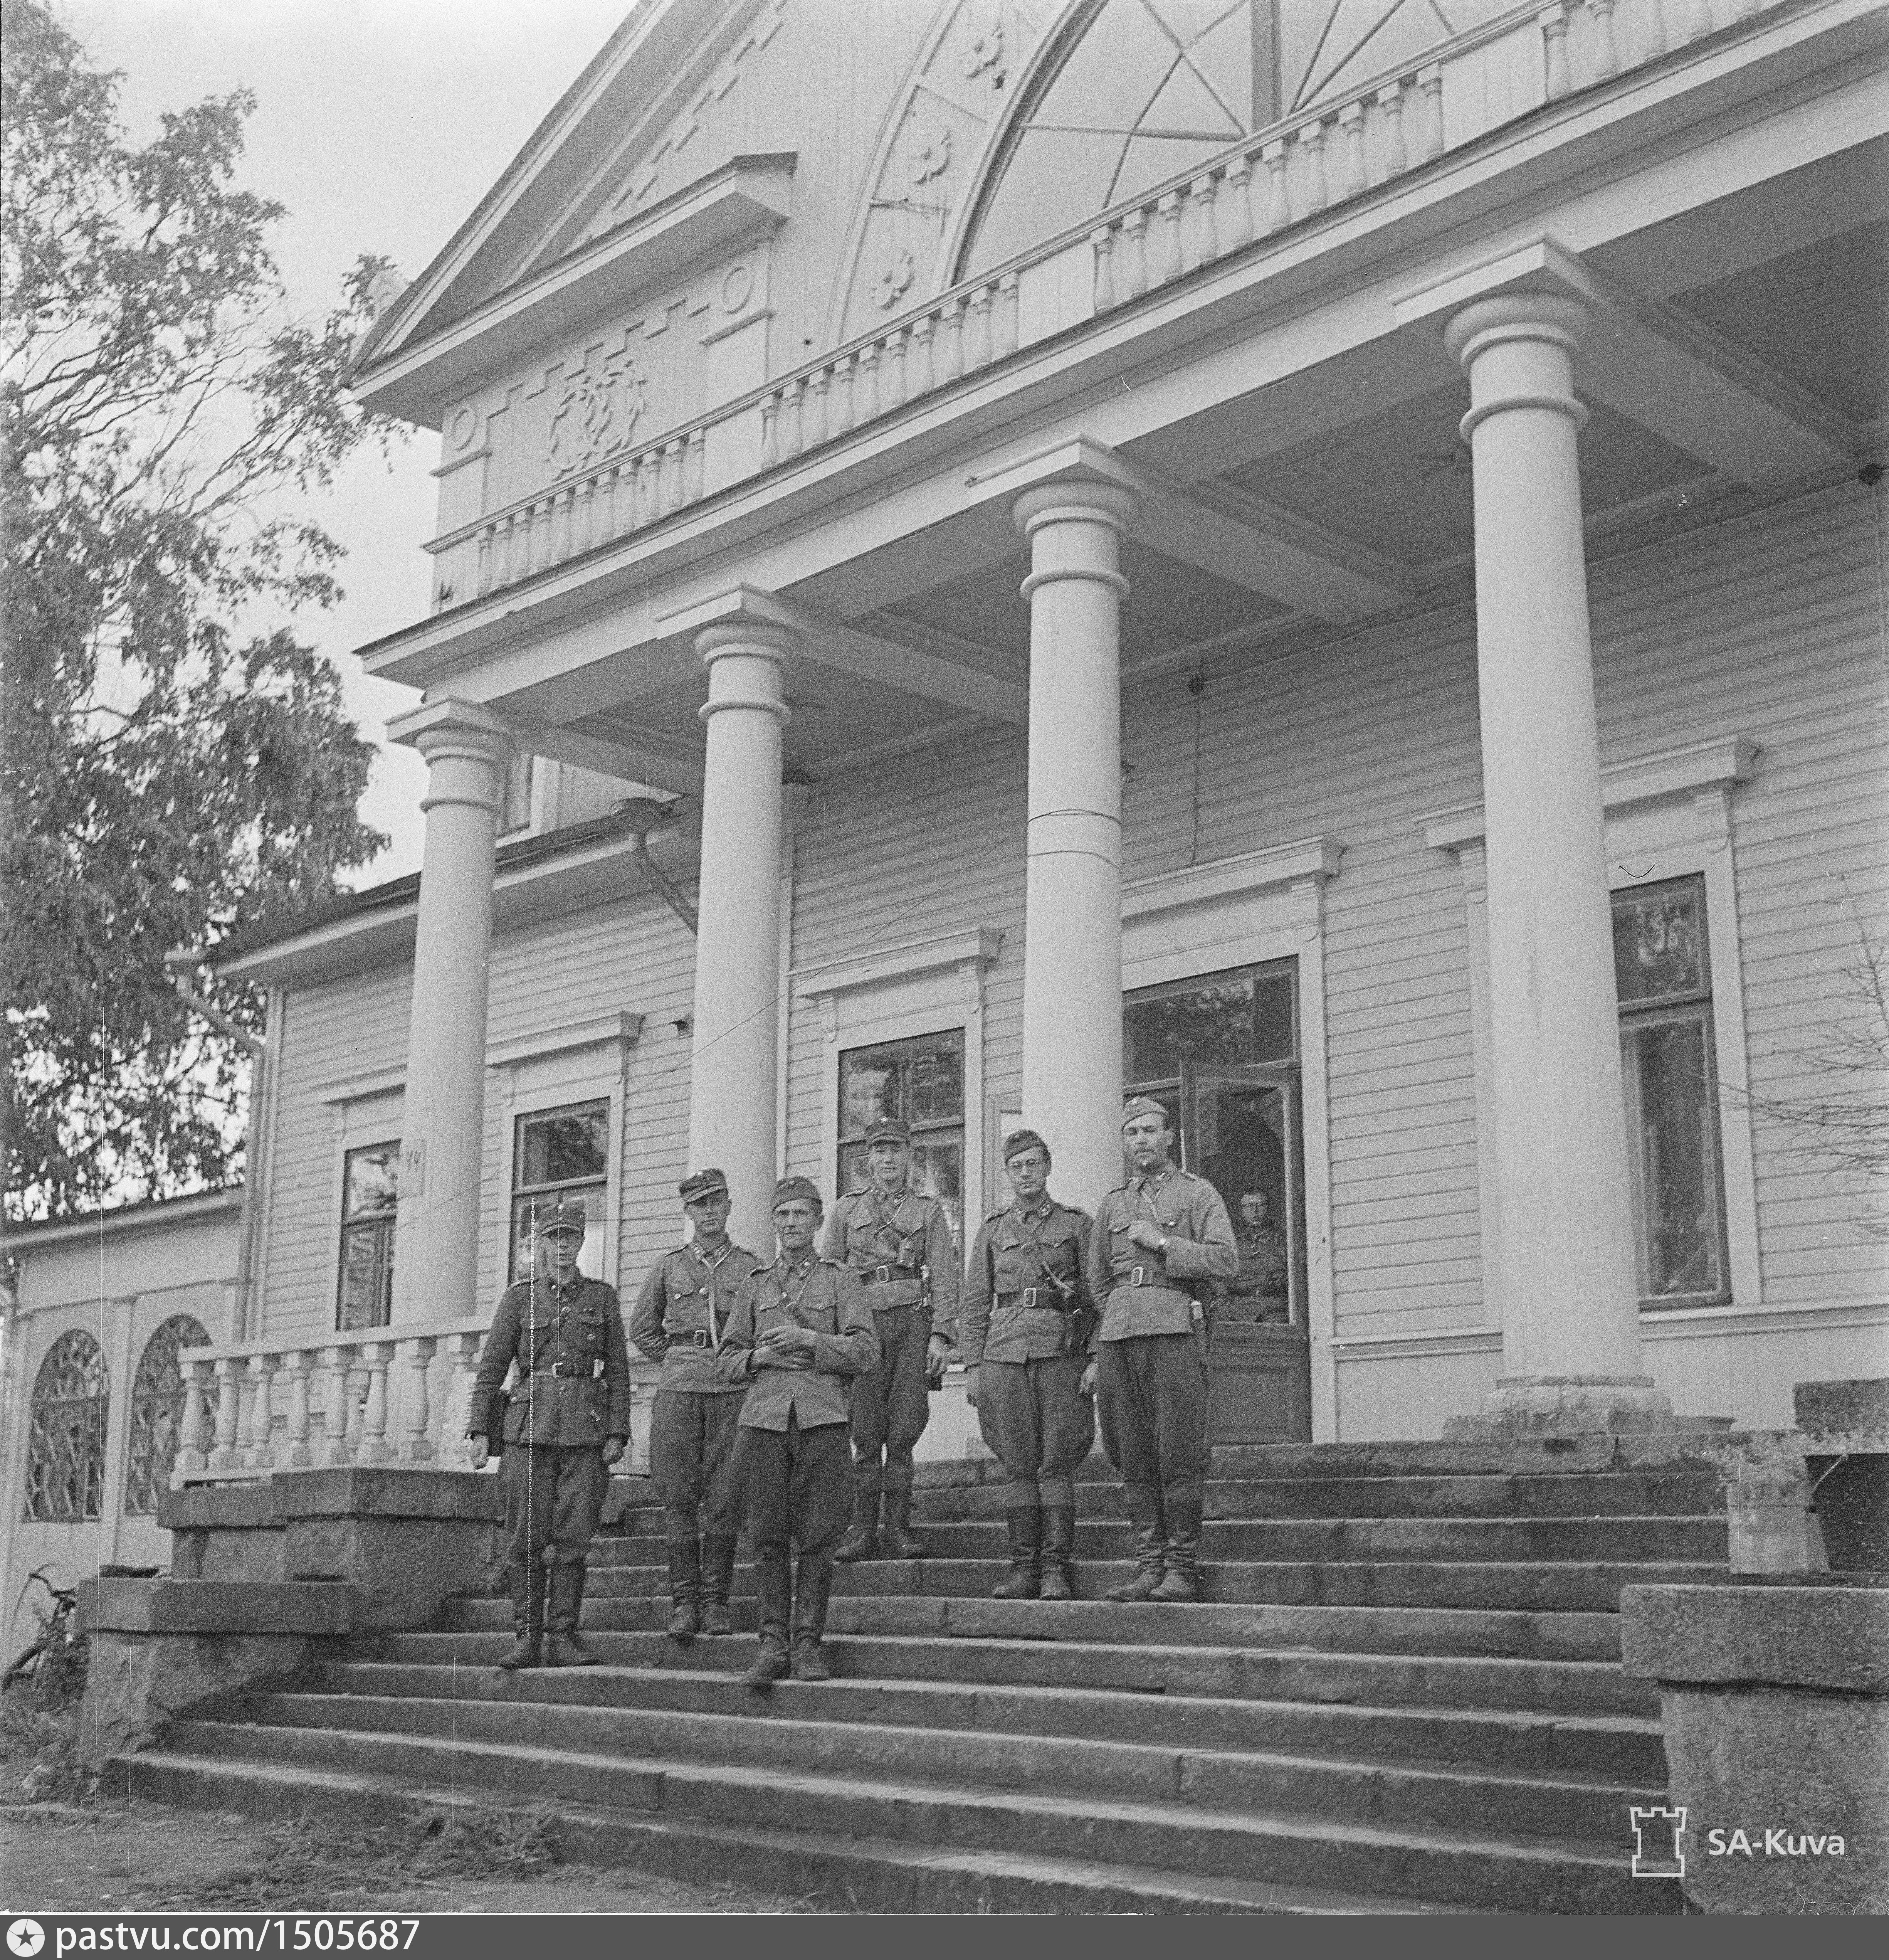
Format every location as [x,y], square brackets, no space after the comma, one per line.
[661,1845]
[1151,1812]
[732,1726]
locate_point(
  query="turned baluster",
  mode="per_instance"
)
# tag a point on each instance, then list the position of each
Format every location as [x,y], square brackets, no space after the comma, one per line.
[299,1362]
[1390,109]
[374,1447]
[542,554]
[1206,236]
[1008,327]
[866,384]
[260,1436]
[1311,144]
[231,1371]
[839,400]
[561,503]
[923,377]
[193,1439]
[1430,80]
[1168,258]
[814,421]
[1607,58]
[1239,205]
[603,511]
[694,466]
[977,344]
[1134,238]
[672,476]
[1357,177]
[1695,18]
[769,430]
[336,1363]
[462,1352]
[1278,190]
[1101,243]
[483,577]
[951,348]
[790,438]
[891,386]
[416,1415]
[1652,33]
[1554,23]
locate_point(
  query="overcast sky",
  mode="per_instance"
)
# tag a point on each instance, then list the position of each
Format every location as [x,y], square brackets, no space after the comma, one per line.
[379,124]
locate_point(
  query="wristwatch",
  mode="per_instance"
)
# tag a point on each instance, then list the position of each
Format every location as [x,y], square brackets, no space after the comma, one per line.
[1164,1246]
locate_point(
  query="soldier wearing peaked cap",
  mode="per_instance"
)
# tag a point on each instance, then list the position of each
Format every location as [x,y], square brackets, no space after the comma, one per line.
[801,1337]
[567,1421]
[1160,1241]
[680,1319]
[1026,1334]
[898,1242]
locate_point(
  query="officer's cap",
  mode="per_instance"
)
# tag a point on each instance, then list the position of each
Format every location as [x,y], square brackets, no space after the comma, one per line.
[1018,1142]
[790,1189]
[888,1130]
[699,1184]
[566,1215]
[1145,1105]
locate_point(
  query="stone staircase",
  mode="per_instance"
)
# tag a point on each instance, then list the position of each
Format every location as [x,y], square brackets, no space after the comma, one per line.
[1400,1692]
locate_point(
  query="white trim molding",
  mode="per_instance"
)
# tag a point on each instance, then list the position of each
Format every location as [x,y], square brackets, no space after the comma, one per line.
[1414,1346]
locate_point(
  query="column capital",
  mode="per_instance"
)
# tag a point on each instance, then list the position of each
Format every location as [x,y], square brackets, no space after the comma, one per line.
[462,727]
[1075,499]
[1483,323]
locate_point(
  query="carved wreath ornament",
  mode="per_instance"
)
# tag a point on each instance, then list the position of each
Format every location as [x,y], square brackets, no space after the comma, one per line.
[595,416]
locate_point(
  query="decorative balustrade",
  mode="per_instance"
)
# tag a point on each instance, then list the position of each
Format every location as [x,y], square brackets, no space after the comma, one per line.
[394,1395]
[1325,158]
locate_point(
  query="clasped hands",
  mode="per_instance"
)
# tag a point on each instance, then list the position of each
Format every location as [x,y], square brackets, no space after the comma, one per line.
[790,1348]
[1148,1237]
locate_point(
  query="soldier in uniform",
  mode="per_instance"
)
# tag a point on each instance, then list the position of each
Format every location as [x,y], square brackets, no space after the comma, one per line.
[1026,1335]
[1160,1240]
[568,1422]
[1258,1290]
[680,1318]
[898,1242]
[801,1334]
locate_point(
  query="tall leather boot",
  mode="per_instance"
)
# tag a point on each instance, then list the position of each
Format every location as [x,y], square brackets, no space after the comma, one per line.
[717,1580]
[527,1614]
[1181,1579]
[1059,1552]
[773,1584]
[1026,1549]
[562,1647]
[685,1586]
[899,1540]
[1144,1514]
[810,1618]
[862,1542]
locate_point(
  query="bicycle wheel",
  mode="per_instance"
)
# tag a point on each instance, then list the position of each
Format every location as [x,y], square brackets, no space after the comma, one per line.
[32,1657]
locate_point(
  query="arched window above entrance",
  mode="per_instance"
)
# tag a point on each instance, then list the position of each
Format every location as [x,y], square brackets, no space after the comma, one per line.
[65,1463]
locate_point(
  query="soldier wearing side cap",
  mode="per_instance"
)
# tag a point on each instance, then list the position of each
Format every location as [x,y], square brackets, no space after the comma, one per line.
[1027,1334]
[1160,1241]
[801,1337]
[898,1242]
[568,1421]
[680,1319]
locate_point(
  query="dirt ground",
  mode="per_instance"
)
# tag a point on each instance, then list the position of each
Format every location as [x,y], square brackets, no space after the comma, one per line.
[129,1856]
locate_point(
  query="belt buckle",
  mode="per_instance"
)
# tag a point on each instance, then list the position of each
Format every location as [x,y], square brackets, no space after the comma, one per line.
[1029,1296]
[883,1275]
[700,1336]
[1138,1276]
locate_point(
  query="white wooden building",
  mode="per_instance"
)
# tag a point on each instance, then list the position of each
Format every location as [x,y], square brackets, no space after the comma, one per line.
[1267,511]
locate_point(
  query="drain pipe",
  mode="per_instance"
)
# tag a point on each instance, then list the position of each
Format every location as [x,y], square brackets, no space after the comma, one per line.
[636,815]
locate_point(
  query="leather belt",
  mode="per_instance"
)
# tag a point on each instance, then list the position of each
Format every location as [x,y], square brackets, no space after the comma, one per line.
[570,1369]
[1032,1296]
[701,1337]
[885,1275]
[1152,1276]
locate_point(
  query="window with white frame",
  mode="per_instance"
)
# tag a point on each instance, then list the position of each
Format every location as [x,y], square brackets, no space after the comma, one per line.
[1663,972]
[369,1197]
[560,1153]
[918,1082]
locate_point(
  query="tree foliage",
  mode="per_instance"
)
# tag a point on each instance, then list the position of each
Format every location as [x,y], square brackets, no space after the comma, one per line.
[177,765]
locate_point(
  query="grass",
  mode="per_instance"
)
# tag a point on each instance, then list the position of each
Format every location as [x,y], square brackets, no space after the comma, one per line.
[39,1748]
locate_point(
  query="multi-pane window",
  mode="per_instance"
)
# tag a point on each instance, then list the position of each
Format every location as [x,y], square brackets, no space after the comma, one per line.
[1244,1017]
[66,1460]
[156,1413]
[1662,970]
[368,1199]
[559,1154]
[919,1083]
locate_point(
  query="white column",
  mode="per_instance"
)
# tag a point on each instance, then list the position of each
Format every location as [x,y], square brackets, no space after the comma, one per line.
[733,1086]
[1072,946]
[442,1135]
[1563,1249]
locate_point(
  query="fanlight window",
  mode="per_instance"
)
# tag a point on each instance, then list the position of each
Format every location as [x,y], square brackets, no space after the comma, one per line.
[66,1464]
[1139,90]
[156,1413]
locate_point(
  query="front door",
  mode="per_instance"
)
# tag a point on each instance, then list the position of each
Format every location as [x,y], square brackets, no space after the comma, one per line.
[1240,1131]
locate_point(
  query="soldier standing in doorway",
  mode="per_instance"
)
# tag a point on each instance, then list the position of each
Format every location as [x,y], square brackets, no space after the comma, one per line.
[898,1241]
[567,1421]
[1160,1240]
[801,1333]
[680,1319]
[1027,1337]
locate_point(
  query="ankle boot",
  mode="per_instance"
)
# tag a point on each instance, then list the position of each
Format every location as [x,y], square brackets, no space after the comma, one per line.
[718,1577]
[862,1542]
[773,1585]
[527,1614]
[684,1588]
[562,1647]
[1026,1546]
[1059,1552]
[899,1540]
[1181,1580]
[1144,1514]
[809,1619]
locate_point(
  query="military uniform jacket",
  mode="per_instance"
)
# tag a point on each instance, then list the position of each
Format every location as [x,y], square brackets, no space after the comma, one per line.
[1262,1262]
[998,1320]
[809,1292]
[578,1328]
[1144,1292]
[886,1240]
[682,1314]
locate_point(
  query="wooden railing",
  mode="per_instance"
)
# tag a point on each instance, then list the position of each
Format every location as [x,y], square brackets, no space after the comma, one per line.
[394,1395]
[1399,121]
